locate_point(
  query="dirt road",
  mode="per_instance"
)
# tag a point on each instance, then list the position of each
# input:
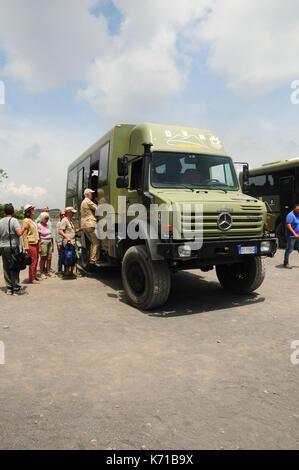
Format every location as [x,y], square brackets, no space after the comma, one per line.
[84,370]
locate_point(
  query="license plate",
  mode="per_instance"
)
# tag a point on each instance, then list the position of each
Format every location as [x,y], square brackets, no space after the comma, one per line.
[247,250]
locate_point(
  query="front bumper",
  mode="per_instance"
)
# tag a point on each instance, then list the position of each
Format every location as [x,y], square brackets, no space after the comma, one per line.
[218,251]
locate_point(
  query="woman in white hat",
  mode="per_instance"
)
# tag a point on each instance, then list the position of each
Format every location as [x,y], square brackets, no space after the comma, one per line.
[31,241]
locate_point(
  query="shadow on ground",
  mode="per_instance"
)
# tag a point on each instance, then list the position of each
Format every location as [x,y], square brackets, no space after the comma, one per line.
[190,294]
[281,266]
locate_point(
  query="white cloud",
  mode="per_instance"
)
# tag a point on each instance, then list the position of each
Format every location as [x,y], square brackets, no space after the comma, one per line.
[123,74]
[24,191]
[253,42]
[249,141]
[143,66]
[48,44]
[36,158]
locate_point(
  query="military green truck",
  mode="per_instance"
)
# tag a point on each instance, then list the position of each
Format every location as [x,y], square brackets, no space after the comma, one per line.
[277,184]
[187,184]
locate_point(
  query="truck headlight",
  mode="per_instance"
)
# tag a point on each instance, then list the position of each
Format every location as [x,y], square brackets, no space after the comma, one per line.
[184,251]
[265,247]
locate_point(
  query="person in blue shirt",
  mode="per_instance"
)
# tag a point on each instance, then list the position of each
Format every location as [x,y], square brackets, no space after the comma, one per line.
[292,234]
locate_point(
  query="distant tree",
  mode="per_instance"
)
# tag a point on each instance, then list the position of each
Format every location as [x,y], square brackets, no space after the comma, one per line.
[3,175]
[18,214]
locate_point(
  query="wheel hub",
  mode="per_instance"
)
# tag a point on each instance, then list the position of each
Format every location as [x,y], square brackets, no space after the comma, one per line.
[136,278]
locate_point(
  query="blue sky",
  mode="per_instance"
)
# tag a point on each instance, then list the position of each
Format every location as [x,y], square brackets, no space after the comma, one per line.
[73,68]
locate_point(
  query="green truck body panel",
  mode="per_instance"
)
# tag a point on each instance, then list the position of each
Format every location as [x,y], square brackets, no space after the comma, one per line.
[248,213]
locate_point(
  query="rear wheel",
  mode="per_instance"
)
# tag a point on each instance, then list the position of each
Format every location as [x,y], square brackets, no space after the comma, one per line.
[242,278]
[146,282]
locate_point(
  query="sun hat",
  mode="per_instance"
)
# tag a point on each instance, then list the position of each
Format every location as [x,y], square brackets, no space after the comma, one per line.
[70,209]
[28,207]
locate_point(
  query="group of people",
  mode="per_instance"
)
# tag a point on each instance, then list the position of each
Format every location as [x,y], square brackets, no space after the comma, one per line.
[36,238]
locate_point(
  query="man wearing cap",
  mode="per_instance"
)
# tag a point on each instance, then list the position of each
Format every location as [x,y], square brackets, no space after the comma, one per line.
[88,224]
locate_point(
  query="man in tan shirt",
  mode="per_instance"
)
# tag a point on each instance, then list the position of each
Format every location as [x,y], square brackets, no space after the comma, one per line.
[88,224]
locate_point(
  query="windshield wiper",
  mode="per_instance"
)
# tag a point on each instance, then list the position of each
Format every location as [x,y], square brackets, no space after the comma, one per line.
[187,187]
[217,187]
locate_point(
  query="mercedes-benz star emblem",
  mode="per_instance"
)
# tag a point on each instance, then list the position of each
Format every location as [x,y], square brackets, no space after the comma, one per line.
[225,221]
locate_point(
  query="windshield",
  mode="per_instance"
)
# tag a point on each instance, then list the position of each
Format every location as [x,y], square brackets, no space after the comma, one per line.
[181,170]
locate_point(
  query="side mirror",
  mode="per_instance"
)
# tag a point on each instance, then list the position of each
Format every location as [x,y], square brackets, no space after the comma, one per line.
[245,178]
[123,166]
[122,182]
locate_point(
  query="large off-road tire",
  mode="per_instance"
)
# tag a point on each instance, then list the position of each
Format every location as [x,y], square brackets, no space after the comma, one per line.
[146,282]
[242,278]
[280,234]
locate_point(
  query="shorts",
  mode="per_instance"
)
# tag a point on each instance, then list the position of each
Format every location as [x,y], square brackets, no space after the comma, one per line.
[46,247]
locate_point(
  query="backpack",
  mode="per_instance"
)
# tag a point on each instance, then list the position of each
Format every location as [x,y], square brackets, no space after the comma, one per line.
[70,257]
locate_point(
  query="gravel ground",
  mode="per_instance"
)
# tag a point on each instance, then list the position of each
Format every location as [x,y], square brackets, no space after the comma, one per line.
[84,370]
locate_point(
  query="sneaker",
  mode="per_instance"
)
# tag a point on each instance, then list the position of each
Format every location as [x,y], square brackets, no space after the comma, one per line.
[43,276]
[52,270]
[287,266]
[21,292]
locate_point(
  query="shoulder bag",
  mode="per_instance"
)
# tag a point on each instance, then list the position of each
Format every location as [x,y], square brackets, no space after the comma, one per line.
[18,261]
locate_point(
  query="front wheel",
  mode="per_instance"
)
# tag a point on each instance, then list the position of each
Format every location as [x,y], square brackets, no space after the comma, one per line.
[146,282]
[244,277]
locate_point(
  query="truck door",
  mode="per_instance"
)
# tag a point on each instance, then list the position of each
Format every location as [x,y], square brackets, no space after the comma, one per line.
[287,196]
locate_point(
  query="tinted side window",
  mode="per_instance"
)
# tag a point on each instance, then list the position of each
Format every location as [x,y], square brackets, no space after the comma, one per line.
[72,183]
[80,186]
[256,185]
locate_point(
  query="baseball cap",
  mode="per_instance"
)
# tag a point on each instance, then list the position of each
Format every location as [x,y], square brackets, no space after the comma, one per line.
[87,191]
[70,209]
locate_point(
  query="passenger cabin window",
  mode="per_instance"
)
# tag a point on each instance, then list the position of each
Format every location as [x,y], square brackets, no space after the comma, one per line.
[80,186]
[72,183]
[104,165]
